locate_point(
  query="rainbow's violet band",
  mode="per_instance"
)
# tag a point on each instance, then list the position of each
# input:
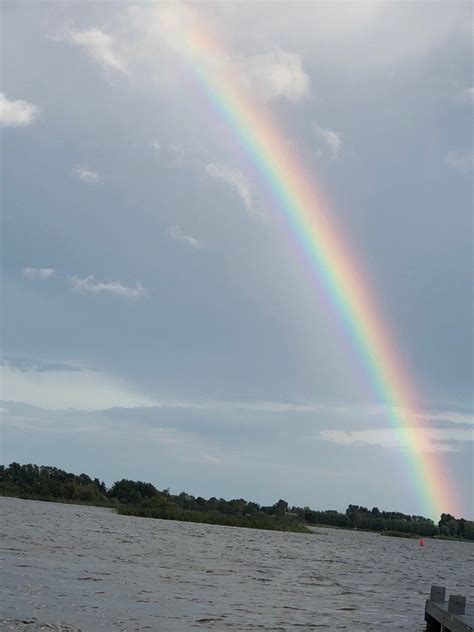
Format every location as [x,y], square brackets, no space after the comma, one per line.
[329,257]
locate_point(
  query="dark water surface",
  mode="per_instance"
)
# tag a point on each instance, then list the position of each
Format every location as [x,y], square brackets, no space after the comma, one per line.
[66,567]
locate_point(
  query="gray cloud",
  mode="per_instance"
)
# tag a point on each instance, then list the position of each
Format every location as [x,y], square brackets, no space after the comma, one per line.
[240,446]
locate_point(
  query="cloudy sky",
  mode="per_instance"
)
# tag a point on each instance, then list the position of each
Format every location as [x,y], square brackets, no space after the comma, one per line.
[159,322]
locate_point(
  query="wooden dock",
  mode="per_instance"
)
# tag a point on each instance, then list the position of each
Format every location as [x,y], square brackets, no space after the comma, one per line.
[452,615]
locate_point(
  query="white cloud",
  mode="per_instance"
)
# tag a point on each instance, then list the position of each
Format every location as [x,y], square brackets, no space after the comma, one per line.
[461,160]
[235,179]
[272,74]
[332,140]
[436,440]
[100,46]
[91,285]
[16,113]
[38,273]
[53,390]
[177,234]
[86,174]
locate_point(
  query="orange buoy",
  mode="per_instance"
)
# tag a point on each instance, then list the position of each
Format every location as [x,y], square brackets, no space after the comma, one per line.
[422,542]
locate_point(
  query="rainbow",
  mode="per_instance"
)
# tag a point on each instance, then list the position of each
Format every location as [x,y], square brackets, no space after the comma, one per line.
[330,260]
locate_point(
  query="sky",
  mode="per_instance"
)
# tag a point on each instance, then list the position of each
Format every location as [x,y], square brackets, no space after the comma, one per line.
[159,322]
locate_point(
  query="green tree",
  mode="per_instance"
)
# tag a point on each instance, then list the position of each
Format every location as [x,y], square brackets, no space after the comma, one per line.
[281,507]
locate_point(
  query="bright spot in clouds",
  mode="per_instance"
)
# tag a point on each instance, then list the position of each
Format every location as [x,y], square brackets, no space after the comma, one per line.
[331,139]
[87,175]
[274,74]
[16,113]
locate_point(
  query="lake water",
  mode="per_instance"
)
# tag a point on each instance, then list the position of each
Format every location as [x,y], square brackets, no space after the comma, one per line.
[68,567]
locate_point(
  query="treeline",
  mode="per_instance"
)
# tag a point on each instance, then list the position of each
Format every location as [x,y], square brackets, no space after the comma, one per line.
[141,499]
[50,483]
[144,499]
[357,517]
[168,507]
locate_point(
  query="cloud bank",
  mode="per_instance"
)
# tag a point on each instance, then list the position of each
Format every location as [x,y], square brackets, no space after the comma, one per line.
[58,389]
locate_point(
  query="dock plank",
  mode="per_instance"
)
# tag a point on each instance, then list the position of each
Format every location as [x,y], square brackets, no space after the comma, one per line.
[453,622]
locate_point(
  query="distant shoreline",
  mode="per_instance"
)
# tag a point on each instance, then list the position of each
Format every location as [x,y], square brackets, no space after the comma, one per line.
[309,529]
[137,498]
